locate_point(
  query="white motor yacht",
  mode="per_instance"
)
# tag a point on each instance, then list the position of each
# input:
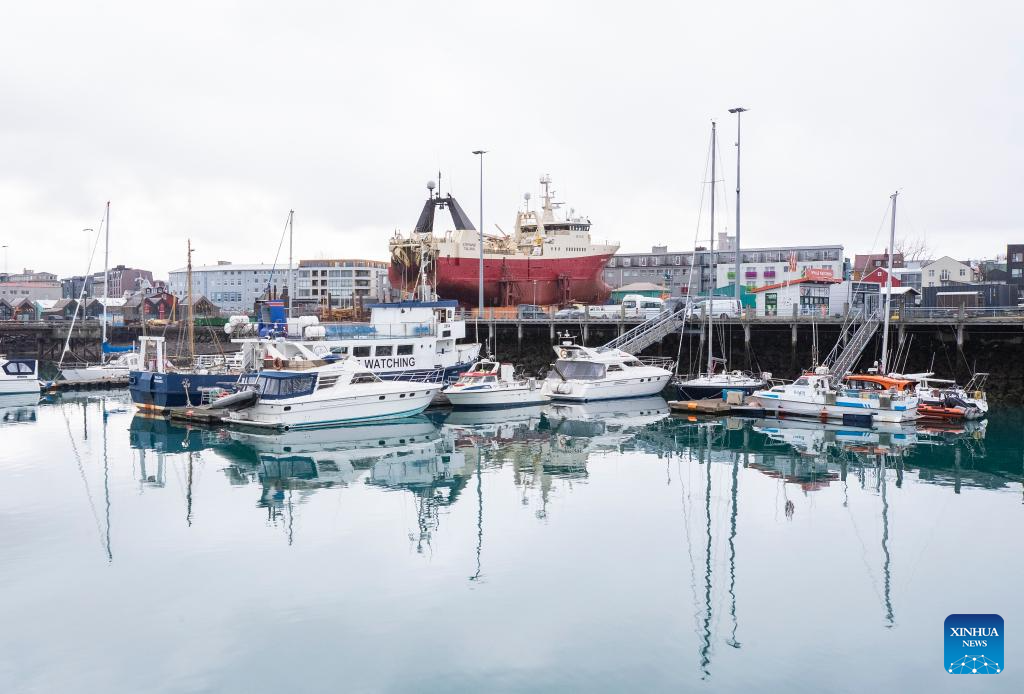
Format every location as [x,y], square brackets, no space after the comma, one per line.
[587,373]
[492,384]
[322,393]
[19,376]
[813,395]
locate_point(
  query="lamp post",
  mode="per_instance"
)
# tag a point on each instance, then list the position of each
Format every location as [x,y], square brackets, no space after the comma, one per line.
[480,302]
[739,110]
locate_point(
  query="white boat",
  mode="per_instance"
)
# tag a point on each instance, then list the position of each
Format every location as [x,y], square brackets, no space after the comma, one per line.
[19,376]
[406,340]
[813,395]
[936,391]
[326,394]
[602,373]
[116,369]
[492,384]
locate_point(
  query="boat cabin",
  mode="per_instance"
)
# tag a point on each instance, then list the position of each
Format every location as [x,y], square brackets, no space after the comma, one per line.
[877,382]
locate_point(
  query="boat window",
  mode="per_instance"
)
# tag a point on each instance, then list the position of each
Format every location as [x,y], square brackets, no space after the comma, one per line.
[404,350]
[802,381]
[339,350]
[361,351]
[363,378]
[15,368]
[584,370]
[327,382]
[614,367]
[632,362]
[286,387]
[491,379]
[384,350]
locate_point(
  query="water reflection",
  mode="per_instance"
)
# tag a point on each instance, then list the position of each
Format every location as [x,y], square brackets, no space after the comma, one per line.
[18,409]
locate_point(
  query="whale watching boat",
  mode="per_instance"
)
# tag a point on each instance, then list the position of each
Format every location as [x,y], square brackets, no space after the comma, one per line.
[548,259]
[317,393]
[492,384]
[602,373]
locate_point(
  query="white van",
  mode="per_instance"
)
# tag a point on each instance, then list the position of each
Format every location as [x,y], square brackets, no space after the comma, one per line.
[720,308]
[632,306]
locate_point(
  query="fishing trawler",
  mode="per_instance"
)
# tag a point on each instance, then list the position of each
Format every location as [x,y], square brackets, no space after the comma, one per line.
[548,259]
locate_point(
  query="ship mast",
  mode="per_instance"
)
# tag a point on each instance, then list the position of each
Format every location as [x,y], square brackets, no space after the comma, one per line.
[884,367]
[191,309]
[106,286]
[710,303]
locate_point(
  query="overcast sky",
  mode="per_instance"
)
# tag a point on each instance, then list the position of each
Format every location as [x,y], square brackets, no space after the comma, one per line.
[211,120]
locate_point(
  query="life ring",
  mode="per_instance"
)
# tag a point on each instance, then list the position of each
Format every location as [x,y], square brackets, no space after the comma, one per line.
[278,363]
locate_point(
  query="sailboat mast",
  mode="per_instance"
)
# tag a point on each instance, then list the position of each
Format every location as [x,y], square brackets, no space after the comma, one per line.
[106,285]
[714,283]
[291,268]
[888,290]
[191,312]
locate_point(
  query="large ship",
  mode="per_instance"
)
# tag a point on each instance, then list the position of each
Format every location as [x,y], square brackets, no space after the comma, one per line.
[548,259]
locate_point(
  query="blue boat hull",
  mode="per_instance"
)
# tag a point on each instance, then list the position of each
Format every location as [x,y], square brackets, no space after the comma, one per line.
[157,391]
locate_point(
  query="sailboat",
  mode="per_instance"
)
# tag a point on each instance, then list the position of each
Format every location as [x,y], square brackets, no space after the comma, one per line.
[717,378]
[118,368]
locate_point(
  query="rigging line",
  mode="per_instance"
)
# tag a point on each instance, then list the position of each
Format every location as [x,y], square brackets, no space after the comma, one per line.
[81,294]
[732,554]
[280,245]
[85,481]
[106,481]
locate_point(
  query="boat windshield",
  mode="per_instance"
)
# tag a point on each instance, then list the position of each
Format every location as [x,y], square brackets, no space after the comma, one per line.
[577,370]
[285,386]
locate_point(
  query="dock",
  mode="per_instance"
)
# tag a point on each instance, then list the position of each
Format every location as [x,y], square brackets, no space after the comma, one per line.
[200,414]
[99,384]
[705,406]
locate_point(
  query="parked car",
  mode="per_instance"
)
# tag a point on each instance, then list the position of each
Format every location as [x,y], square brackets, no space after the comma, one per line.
[632,306]
[530,312]
[720,308]
[571,313]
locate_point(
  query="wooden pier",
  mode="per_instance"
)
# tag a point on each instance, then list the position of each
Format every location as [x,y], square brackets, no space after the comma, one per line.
[200,414]
[99,384]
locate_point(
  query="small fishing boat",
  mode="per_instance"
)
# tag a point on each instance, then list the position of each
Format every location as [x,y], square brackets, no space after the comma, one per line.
[814,395]
[492,384]
[322,393]
[602,373]
[18,376]
[944,399]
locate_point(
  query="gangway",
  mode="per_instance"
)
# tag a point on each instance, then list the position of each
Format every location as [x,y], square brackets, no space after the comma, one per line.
[841,361]
[649,332]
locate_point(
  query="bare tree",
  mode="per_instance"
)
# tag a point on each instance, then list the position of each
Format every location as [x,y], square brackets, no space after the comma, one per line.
[913,248]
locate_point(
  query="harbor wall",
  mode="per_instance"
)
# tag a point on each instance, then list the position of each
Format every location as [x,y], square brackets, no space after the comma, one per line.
[998,350]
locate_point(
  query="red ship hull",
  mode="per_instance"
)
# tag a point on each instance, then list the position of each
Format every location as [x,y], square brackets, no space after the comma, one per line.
[512,281]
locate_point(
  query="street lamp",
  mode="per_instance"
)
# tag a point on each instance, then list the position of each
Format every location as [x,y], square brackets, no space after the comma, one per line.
[480,303]
[739,111]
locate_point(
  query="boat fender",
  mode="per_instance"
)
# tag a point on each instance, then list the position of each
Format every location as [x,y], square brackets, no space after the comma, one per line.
[278,363]
[563,353]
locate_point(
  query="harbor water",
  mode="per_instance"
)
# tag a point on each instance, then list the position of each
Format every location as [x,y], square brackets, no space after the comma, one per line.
[603,547]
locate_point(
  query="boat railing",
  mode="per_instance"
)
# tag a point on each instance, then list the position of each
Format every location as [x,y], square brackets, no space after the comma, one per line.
[378,331]
[661,362]
[431,376]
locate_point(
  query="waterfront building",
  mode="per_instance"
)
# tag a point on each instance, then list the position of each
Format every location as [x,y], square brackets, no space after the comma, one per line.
[969,296]
[808,295]
[28,276]
[341,282]
[233,287]
[16,290]
[120,280]
[759,267]
[863,263]
[945,271]
[1015,262]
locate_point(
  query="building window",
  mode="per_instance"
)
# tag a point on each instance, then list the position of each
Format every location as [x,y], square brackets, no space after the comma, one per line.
[1018,258]
[931,273]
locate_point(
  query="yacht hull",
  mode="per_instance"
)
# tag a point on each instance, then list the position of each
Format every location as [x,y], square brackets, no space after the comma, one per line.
[701,392]
[581,391]
[291,415]
[820,410]
[509,397]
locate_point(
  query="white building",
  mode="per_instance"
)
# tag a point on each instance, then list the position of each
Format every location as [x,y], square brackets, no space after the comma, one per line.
[341,281]
[945,271]
[234,288]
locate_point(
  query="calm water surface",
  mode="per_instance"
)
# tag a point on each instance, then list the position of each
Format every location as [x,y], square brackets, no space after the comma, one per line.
[604,547]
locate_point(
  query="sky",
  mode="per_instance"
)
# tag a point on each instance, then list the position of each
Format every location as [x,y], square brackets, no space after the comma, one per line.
[211,120]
